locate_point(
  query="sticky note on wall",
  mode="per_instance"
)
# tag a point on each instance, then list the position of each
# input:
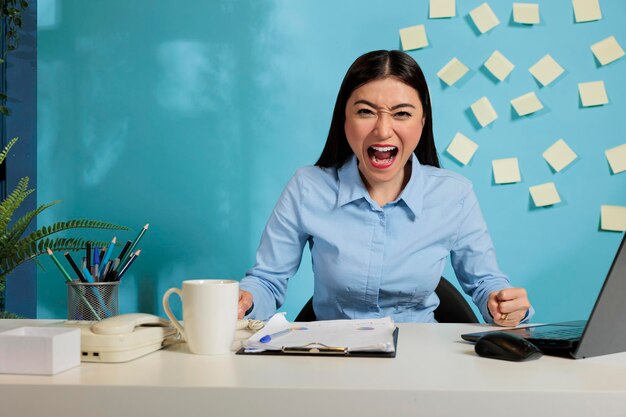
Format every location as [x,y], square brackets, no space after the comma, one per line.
[484,111]
[586,10]
[413,37]
[559,155]
[452,72]
[526,104]
[442,8]
[546,70]
[613,218]
[526,13]
[592,93]
[617,158]
[607,50]
[506,171]
[499,65]
[484,18]
[462,148]
[544,194]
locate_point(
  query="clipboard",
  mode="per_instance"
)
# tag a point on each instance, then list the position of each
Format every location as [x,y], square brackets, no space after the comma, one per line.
[327,351]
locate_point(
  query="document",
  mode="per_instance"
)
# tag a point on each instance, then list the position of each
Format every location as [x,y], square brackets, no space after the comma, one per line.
[367,335]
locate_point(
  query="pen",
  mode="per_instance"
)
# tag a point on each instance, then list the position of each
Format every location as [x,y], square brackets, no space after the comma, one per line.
[69,279]
[74,267]
[267,338]
[134,244]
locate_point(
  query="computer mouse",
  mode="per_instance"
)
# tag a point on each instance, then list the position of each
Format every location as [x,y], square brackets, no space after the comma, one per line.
[506,346]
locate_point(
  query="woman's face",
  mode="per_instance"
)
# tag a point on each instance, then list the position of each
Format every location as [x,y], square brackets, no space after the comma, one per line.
[384,122]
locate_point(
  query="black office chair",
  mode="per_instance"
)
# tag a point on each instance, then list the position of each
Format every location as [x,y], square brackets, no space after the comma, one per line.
[452,307]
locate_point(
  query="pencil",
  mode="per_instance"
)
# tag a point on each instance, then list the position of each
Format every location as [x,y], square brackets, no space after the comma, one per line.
[121,255]
[79,274]
[128,264]
[69,279]
[135,242]
[108,252]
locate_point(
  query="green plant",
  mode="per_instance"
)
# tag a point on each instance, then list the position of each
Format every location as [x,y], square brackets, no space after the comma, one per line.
[10,22]
[15,248]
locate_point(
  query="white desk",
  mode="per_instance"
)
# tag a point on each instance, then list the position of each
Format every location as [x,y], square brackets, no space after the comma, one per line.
[434,374]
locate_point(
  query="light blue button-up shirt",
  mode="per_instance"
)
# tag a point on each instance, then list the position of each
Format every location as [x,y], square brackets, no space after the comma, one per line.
[368,261]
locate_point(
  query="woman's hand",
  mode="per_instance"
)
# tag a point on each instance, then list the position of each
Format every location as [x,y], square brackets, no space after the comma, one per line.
[245,303]
[508,306]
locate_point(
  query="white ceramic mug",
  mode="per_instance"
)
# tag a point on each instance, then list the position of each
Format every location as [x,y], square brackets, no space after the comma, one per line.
[209,314]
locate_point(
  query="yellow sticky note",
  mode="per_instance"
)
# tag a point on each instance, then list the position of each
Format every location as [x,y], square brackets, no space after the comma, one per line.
[484,111]
[592,93]
[506,171]
[526,104]
[442,8]
[526,13]
[607,50]
[452,72]
[499,65]
[484,18]
[617,158]
[546,70]
[413,37]
[613,218]
[586,10]
[559,155]
[462,148]
[544,194]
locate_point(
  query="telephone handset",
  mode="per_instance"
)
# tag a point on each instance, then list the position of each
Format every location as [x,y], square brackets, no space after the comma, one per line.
[129,336]
[124,337]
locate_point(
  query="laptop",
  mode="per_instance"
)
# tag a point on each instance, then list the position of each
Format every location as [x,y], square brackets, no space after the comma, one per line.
[603,333]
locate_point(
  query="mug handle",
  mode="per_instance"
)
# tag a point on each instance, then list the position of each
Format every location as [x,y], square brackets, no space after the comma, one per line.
[168,310]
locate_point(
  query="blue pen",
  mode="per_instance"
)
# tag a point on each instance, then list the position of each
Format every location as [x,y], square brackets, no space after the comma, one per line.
[267,338]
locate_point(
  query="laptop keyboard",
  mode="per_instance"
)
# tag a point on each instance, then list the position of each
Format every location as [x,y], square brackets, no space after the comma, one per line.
[568,333]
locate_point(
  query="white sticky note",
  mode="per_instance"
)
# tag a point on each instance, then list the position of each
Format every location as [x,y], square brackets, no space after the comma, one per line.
[592,93]
[506,171]
[607,50]
[559,155]
[499,65]
[617,158]
[613,218]
[526,13]
[526,104]
[546,70]
[452,72]
[462,148]
[484,111]
[586,10]
[442,8]
[484,18]
[544,194]
[413,37]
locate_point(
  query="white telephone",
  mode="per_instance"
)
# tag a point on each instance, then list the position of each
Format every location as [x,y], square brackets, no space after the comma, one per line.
[123,338]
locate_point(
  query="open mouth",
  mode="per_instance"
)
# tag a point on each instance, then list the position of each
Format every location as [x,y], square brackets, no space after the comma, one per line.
[382,156]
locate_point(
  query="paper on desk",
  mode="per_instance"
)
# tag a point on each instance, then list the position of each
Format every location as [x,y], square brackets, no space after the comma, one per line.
[366,335]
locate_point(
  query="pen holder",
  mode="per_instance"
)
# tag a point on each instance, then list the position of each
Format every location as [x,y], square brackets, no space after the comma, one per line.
[92,301]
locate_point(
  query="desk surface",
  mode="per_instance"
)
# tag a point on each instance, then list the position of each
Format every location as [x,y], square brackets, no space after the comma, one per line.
[434,373]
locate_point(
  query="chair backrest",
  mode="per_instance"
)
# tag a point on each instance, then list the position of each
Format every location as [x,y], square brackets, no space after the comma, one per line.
[453,308]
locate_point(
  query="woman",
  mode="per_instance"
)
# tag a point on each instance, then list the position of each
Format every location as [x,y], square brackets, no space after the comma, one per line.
[378,213]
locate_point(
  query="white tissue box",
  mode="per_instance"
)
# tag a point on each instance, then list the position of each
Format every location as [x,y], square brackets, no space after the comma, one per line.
[39,350]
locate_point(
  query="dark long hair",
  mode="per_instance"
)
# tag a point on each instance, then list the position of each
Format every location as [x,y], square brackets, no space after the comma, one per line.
[371,66]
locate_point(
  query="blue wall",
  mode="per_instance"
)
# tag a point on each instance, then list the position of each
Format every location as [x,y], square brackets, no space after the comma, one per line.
[192,117]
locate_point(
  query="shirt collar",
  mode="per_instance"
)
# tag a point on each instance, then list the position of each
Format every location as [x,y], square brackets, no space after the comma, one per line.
[351,186]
